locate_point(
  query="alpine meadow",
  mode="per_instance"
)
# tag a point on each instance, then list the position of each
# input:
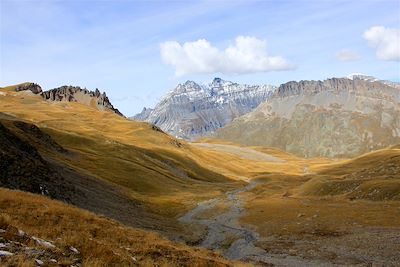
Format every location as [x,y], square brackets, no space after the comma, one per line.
[200,133]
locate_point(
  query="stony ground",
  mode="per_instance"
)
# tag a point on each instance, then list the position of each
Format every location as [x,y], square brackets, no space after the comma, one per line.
[16,247]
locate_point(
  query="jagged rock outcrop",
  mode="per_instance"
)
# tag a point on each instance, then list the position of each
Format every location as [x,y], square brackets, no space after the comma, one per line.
[72,94]
[84,96]
[192,110]
[338,117]
[35,88]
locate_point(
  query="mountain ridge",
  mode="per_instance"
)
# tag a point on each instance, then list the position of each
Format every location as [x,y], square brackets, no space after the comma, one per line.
[194,110]
[337,117]
[68,93]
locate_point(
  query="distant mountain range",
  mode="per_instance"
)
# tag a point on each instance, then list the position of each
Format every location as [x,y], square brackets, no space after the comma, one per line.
[338,117]
[194,110]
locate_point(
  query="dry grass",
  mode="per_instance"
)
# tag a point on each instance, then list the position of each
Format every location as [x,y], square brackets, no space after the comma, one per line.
[300,216]
[333,197]
[101,241]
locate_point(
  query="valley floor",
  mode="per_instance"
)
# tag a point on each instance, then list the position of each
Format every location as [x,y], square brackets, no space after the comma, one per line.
[327,233]
[271,222]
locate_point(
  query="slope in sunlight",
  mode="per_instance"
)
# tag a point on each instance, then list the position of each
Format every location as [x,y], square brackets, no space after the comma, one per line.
[60,235]
[145,176]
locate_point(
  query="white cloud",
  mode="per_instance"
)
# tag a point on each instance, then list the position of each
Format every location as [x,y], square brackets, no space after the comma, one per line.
[247,55]
[347,55]
[386,41]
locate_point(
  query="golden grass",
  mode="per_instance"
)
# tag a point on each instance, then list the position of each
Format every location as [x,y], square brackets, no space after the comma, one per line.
[101,241]
[334,197]
[299,216]
[154,167]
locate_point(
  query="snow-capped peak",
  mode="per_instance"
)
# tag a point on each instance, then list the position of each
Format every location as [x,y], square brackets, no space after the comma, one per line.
[368,78]
[193,110]
[361,76]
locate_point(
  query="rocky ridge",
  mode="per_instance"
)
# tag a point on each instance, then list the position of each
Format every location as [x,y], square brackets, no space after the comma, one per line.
[72,94]
[338,117]
[193,110]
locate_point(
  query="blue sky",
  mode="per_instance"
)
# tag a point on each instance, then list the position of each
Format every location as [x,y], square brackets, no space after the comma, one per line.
[116,45]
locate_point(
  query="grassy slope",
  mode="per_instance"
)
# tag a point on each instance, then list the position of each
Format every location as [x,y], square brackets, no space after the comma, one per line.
[373,176]
[334,197]
[100,241]
[155,168]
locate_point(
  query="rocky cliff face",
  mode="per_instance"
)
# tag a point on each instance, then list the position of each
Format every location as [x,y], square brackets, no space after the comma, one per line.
[338,117]
[84,96]
[192,110]
[72,94]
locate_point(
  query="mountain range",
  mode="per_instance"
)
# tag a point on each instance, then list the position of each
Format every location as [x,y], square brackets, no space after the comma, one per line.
[338,117]
[194,110]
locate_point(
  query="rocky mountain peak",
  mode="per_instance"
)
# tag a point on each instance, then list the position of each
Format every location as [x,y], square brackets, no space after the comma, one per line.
[192,110]
[187,87]
[70,93]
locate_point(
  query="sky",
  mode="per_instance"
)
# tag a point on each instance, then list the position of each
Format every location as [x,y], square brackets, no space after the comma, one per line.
[137,51]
